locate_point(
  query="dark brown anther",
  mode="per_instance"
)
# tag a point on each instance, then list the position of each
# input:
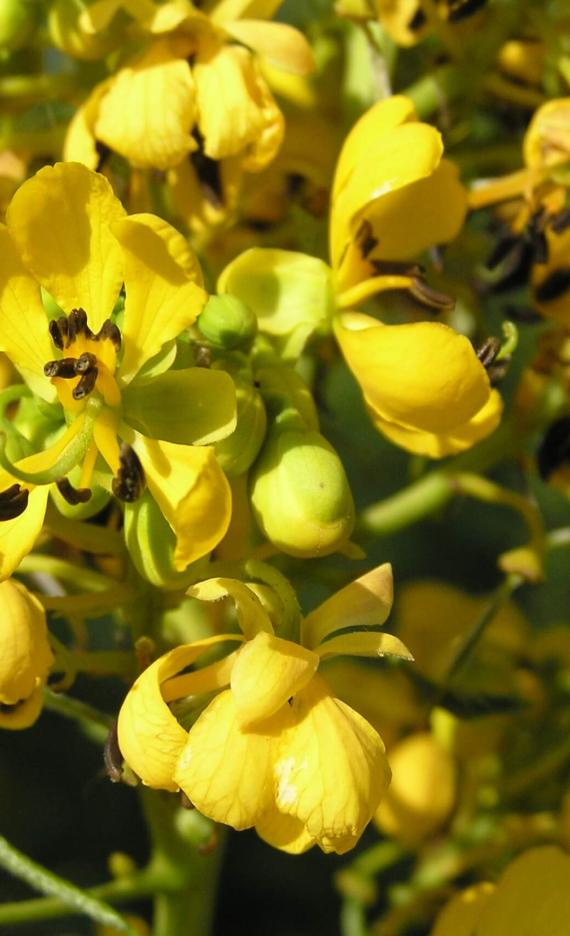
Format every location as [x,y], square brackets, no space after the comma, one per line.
[64,368]
[365,240]
[554,451]
[185,802]
[13,502]
[56,335]
[112,756]
[554,285]
[488,351]
[85,385]
[85,363]
[109,330]
[431,298]
[77,325]
[418,20]
[202,355]
[461,9]
[130,481]
[501,250]
[560,221]
[71,494]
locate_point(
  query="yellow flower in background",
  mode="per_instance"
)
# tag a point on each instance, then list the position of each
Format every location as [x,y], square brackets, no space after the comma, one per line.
[390,172]
[115,420]
[25,656]
[275,750]
[531,898]
[423,383]
[194,101]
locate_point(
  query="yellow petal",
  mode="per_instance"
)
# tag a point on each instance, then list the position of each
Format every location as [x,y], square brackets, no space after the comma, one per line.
[366,602]
[282,45]
[25,654]
[249,123]
[252,616]
[533,896]
[60,220]
[207,679]
[149,736]
[17,537]
[24,334]
[423,375]
[193,493]
[163,283]
[26,713]
[397,15]
[148,113]
[461,915]
[434,445]
[547,140]
[268,671]
[284,832]
[80,141]
[227,10]
[330,768]
[226,773]
[366,644]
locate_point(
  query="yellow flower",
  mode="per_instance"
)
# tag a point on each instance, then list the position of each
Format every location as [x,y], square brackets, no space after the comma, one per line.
[119,417]
[423,384]
[531,898]
[25,656]
[390,170]
[275,750]
[192,102]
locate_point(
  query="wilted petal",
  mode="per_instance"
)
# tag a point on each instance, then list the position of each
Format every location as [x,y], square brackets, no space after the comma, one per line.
[330,768]
[226,773]
[163,283]
[366,602]
[268,672]
[148,112]
[60,220]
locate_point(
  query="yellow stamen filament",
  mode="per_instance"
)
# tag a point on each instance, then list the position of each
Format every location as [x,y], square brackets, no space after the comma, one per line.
[88,466]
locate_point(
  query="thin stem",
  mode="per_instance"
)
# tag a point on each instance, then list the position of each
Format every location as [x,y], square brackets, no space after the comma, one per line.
[98,723]
[64,571]
[85,536]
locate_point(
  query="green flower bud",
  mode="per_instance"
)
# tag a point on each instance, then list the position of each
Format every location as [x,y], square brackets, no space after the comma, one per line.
[151,541]
[228,323]
[300,494]
[237,453]
[17,23]
[67,35]
[283,389]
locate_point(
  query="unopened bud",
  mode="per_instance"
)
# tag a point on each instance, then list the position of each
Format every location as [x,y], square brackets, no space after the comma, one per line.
[228,323]
[300,494]
[237,453]
[25,656]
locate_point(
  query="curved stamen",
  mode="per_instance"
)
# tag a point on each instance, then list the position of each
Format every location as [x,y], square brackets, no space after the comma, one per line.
[72,495]
[76,441]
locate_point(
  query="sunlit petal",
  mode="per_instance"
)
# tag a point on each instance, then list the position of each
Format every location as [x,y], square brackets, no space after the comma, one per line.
[252,616]
[366,602]
[17,537]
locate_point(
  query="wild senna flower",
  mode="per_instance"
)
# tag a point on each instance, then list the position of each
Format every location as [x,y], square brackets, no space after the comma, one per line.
[193,101]
[531,896]
[25,655]
[274,749]
[117,416]
[424,385]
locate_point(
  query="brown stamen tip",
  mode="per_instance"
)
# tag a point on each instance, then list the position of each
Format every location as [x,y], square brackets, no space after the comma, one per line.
[185,801]
[202,356]
[85,385]
[77,324]
[431,298]
[488,351]
[85,363]
[365,240]
[64,368]
[71,494]
[110,330]
[13,502]
[56,335]
[112,756]
[461,9]
[130,481]
[561,221]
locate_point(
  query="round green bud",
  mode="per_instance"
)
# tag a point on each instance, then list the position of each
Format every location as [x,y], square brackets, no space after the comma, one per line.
[67,35]
[237,453]
[228,323]
[151,541]
[18,19]
[300,494]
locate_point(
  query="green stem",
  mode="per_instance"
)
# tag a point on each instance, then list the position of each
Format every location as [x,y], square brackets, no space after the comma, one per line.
[67,894]
[352,918]
[85,536]
[64,571]
[98,723]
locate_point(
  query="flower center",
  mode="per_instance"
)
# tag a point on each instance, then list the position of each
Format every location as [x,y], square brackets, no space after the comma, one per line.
[91,362]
